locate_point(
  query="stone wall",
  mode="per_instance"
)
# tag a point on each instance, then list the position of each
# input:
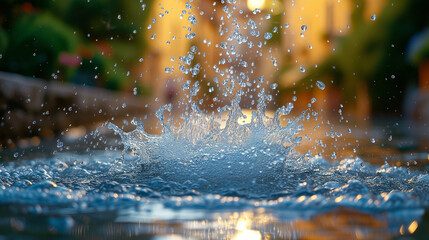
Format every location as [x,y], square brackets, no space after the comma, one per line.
[33,107]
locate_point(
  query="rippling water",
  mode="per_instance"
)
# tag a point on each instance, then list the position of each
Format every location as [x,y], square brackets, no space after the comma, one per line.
[205,178]
[215,182]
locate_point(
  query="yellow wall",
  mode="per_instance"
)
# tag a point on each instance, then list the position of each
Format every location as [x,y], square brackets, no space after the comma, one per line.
[373,7]
[325,20]
[159,53]
[322,18]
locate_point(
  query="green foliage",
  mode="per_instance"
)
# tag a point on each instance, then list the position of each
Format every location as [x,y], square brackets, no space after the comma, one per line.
[374,52]
[101,72]
[37,42]
[142,89]
[10,10]
[110,20]
[4,40]
[36,3]
[43,29]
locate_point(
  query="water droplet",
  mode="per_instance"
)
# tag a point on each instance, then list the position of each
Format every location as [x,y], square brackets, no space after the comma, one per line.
[141,60]
[313,100]
[119,17]
[372,140]
[274,86]
[124,105]
[373,17]
[153,36]
[225,9]
[320,84]
[287,25]
[135,91]
[185,86]
[301,68]
[190,35]
[192,19]
[268,16]
[59,144]
[268,35]
[304,28]
[275,63]
[16,154]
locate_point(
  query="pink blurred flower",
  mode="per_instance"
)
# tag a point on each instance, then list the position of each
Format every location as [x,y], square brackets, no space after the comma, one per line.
[68,59]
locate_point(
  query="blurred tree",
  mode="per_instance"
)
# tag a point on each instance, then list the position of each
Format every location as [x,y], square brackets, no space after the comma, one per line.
[69,36]
[4,40]
[374,53]
[118,22]
[11,10]
[38,40]
[99,71]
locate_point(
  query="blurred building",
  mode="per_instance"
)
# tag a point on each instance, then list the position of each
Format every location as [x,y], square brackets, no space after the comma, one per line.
[313,29]
[324,21]
[308,32]
[170,37]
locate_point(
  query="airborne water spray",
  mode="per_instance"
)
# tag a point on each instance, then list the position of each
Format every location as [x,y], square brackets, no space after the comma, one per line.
[236,155]
[200,169]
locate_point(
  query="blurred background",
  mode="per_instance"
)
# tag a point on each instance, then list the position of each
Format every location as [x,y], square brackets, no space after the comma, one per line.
[65,63]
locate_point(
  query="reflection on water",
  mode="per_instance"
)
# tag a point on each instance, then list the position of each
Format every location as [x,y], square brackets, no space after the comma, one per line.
[411,228]
[79,196]
[244,231]
[153,211]
[259,224]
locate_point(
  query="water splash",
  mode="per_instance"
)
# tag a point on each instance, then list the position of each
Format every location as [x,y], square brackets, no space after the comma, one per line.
[256,160]
[237,154]
[201,164]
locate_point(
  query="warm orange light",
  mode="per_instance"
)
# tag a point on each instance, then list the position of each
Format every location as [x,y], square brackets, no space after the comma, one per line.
[413,226]
[244,233]
[253,4]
